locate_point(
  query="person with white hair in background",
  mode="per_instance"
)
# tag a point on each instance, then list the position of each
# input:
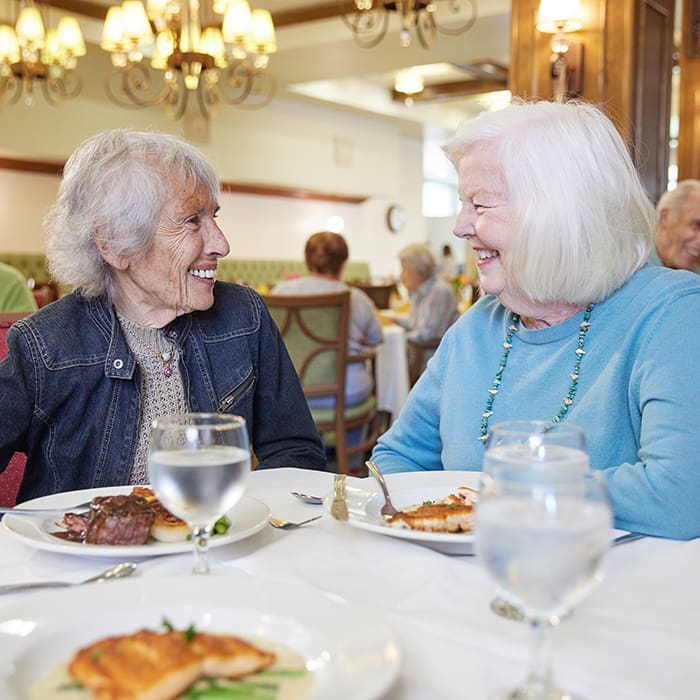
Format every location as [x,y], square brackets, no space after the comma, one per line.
[678,228]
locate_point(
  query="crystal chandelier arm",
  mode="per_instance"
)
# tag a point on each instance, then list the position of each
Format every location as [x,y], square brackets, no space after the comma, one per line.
[426,28]
[454,6]
[131,87]
[10,89]
[369,27]
[61,87]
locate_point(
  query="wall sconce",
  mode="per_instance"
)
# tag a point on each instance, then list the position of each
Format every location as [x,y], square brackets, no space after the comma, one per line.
[560,17]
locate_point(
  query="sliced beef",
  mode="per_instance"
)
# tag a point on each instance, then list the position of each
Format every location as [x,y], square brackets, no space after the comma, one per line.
[119,520]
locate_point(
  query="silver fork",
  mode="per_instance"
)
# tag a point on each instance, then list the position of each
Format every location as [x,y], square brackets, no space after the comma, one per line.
[287,525]
[45,511]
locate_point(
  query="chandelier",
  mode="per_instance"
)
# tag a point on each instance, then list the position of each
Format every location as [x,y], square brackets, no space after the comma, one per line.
[30,55]
[369,21]
[219,52]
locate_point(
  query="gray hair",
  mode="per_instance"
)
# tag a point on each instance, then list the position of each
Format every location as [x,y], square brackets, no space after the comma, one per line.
[419,258]
[582,222]
[673,200]
[113,189]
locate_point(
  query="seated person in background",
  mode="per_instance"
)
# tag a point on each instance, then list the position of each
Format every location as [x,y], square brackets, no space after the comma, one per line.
[678,228]
[325,254]
[148,330]
[433,301]
[15,294]
[448,265]
[574,325]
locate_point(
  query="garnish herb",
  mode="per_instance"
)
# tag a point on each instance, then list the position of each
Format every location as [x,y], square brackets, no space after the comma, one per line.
[190,634]
[167,624]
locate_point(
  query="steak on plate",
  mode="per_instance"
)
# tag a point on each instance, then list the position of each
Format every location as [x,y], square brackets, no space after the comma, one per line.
[119,520]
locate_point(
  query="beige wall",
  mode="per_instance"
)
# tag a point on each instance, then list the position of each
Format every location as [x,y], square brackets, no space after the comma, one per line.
[288,143]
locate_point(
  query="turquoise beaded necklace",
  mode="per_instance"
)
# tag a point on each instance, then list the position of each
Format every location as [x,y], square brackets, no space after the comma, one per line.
[508,344]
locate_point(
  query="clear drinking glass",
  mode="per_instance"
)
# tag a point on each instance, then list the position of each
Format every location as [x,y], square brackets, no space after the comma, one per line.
[542,529]
[198,466]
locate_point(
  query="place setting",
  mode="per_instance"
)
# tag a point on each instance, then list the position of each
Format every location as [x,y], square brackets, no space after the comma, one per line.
[317,643]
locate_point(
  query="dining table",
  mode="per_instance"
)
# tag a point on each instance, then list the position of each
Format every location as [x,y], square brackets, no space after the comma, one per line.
[636,636]
[391,368]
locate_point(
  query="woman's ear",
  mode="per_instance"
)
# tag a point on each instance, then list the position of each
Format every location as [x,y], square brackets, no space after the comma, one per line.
[118,262]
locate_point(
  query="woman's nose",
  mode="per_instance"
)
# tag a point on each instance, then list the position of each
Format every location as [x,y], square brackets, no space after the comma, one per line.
[464,226]
[217,245]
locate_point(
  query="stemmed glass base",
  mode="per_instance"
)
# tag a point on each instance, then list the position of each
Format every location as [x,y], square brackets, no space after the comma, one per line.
[200,539]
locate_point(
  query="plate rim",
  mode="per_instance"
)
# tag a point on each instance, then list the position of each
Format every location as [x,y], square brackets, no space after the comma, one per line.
[53,613]
[119,551]
[401,481]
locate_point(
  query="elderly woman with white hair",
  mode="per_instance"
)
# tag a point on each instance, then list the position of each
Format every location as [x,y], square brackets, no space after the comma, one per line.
[433,301]
[573,325]
[148,330]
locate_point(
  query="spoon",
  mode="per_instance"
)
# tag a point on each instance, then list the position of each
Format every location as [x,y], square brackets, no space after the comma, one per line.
[387,509]
[118,571]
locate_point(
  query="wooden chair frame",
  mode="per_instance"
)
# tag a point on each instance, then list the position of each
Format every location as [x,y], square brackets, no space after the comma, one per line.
[321,362]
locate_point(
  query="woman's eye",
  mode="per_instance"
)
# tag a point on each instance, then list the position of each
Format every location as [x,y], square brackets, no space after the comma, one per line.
[193,220]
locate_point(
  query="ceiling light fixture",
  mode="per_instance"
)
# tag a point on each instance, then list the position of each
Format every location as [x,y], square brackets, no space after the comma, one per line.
[408,83]
[560,17]
[31,56]
[220,52]
[369,21]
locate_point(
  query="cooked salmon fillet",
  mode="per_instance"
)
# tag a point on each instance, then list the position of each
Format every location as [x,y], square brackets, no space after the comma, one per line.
[454,513]
[229,657]
[161,665]
[141,666]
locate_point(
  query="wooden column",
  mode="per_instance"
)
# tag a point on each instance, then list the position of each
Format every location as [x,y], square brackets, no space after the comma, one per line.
[689,102]
[628,54]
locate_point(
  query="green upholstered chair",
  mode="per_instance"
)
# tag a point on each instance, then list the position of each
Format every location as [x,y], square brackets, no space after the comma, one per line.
[315,330]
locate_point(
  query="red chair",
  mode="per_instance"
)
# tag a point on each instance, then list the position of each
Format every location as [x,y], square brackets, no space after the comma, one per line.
[11,477]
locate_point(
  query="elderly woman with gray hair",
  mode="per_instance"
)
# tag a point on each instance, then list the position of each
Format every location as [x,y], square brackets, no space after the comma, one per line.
[574,325]
[433,301]
[147,331]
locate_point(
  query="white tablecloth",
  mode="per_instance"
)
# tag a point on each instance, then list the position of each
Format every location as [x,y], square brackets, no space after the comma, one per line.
[637,637]
[392,371]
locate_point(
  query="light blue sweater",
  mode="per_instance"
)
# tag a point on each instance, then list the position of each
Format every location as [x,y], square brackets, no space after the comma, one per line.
[638,396]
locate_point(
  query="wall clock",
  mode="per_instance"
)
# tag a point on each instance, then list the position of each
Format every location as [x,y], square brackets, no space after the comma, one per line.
[396,218]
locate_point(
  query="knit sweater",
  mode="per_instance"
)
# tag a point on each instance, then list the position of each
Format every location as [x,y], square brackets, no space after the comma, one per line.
[637,396]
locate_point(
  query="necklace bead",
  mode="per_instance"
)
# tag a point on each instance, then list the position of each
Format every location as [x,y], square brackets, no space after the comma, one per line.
[568,399]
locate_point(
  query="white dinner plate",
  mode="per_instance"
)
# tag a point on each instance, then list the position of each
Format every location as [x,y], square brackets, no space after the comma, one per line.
[248,517]
[351,654]
[407,489]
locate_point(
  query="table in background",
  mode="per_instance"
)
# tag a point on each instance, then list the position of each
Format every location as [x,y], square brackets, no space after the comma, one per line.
[637,637]
[392,370]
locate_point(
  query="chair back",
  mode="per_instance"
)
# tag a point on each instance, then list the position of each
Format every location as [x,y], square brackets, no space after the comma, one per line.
[315,329]
[11,477]
[380,294]
[419,352]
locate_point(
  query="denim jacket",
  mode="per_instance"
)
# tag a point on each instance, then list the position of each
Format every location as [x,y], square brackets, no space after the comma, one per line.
[70,389]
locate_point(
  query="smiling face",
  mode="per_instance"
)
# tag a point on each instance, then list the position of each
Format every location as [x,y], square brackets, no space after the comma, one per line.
[485,216]
[678,237]
[176,275]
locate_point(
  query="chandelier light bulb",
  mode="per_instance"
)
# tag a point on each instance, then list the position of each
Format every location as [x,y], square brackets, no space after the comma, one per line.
[30,28]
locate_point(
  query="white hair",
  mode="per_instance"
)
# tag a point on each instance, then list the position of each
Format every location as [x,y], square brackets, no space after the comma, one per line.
[582,223]
[419,258]
[113,188]
[673,200]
